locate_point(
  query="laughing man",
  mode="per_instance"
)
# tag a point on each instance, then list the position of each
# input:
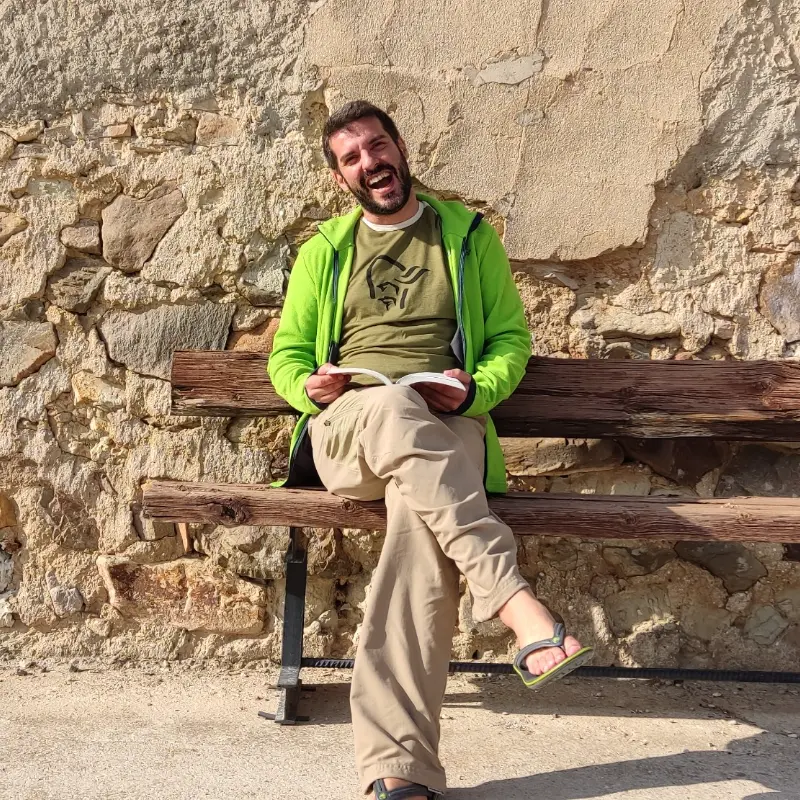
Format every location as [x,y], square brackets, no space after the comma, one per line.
[406,283]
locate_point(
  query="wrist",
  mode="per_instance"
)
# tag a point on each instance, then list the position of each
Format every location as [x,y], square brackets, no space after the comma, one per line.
[468,400]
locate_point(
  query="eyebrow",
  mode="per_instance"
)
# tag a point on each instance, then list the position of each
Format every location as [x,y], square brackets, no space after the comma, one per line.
[373,141]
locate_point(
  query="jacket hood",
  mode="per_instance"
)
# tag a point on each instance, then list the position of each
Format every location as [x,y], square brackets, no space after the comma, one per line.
[456,219]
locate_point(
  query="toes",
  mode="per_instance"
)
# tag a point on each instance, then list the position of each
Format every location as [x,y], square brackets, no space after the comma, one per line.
[571,645]
[544,660]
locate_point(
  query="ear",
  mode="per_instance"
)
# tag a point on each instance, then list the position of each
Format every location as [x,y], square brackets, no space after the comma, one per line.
[340,181]
[402,147]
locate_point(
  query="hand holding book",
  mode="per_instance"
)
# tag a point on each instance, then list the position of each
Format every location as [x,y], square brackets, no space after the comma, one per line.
[444,397]
[442,391]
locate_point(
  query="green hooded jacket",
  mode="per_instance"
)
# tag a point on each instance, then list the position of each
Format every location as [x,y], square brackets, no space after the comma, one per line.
[493,342]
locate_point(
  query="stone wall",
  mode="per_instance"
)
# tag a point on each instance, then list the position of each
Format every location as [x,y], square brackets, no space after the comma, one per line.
[159,167]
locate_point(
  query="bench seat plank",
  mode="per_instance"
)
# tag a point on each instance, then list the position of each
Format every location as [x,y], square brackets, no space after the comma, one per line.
[746,519]
[755,400]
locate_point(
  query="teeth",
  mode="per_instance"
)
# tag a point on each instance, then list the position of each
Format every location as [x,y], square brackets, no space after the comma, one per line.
[379,177]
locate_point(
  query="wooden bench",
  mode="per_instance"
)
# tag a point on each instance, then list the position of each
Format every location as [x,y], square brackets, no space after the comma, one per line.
[728,400]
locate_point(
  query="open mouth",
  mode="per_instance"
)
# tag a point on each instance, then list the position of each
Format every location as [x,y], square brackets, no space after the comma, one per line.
[381,180]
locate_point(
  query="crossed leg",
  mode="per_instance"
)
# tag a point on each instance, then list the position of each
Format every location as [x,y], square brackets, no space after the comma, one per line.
[383,441]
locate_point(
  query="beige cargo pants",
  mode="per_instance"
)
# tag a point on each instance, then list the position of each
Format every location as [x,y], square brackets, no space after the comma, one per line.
[384,442]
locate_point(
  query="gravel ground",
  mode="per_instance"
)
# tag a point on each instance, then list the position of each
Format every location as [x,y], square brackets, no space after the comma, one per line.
[192,731]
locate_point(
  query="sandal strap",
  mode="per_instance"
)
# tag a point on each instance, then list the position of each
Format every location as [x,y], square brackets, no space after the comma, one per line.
[557,640]
[414,790]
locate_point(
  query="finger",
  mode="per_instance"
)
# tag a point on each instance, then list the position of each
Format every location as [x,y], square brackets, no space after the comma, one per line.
[328,397]
[459,375]
[433,401]
[327,381]
[445,391]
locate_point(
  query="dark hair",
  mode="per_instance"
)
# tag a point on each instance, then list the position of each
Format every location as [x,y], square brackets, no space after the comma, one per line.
[347,114]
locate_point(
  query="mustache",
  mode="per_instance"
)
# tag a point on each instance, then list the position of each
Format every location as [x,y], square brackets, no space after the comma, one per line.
[380,168]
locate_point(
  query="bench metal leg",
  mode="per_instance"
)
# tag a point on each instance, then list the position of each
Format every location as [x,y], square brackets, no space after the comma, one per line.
[294,605]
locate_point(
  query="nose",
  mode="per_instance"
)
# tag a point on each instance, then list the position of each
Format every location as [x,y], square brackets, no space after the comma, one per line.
[368,160]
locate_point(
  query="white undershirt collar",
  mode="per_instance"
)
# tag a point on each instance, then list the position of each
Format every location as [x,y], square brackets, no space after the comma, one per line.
[398,226]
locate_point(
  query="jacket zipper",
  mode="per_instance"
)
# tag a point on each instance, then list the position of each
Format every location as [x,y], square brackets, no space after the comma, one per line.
[333,348]
[476,220]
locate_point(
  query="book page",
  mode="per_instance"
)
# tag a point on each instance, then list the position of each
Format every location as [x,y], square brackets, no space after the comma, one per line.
[430,377]
[359,371]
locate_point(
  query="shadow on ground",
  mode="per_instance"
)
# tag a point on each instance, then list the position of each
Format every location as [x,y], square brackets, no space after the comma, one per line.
[659,772]
[769,758]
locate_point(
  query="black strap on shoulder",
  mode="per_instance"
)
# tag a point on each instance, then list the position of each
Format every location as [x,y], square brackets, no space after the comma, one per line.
[476,220]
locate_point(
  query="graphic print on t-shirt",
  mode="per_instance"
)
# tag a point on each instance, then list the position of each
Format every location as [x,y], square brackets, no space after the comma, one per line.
[389,280]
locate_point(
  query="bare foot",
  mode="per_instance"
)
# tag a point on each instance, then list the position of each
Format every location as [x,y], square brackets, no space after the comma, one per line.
[396,783]
[532,622]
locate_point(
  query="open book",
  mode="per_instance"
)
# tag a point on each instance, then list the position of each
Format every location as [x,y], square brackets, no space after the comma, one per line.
[406,380]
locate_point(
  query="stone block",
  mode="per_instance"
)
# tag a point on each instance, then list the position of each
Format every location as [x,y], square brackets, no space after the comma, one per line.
[215,130]
[147,397]
[7,145]
[27,132]
[622,480]
[72,525]
[66,599]
[6,613]
[8,514]
[6,571]
[169,548]
[612,322]
[758,470]
[120,131]
[76,284]
[150,530]
[508,71]
[85,236]
[33,151]
[132,228]
[25,347]
[248,550]
[765,625]
[559,553]
[263,279]
[256,340]
[780,301]
[733,563]
[182,130]
[248,317]
[684,461]
[187,593]
[100,627]
[632,608]
[788,602]
[628,563]
[529,457]
[88,389]
[704,622]
[145,342]
[10,224]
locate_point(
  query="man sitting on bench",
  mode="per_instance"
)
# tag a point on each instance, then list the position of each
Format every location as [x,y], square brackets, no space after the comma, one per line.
[407,284]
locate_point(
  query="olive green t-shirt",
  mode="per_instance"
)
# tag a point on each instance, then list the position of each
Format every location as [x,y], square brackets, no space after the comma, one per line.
[399,310]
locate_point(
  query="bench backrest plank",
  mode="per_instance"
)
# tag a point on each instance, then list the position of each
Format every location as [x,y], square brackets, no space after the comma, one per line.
[757,400]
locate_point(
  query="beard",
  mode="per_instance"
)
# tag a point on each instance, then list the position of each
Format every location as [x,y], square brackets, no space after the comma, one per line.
[391,203]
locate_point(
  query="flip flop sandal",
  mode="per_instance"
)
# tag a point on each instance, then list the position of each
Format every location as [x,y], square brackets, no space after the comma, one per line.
[414,790]
[561,669]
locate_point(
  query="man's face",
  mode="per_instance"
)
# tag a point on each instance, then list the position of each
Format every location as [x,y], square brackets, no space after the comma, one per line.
[372,166]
